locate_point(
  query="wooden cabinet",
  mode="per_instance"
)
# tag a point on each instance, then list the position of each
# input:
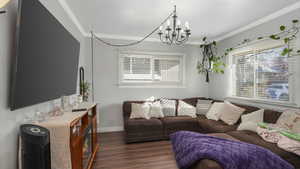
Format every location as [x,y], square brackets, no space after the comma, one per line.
[83,140]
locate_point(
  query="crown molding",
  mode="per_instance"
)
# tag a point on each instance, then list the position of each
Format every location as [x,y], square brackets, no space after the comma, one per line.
[85,33]
[263,20]
[72,16]
[134,38]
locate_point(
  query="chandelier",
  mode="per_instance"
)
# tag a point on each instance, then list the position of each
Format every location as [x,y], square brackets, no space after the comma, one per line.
[175,33]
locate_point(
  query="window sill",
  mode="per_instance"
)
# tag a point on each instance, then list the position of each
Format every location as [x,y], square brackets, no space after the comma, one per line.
[151,86]
[267,102]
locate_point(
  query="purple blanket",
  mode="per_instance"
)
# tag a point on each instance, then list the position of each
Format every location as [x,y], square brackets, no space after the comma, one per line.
[190,147]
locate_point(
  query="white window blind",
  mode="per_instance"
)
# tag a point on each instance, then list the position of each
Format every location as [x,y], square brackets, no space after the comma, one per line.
[151,68]
[262,74]
[137,68]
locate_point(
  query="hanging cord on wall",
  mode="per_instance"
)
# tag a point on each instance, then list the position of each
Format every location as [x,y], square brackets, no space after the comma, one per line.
[132,43]
[92,52]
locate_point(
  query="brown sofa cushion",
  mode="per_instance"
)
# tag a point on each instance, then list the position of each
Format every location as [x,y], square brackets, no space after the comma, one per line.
[193,101]
[212,126]
[174,124]
[143,125]
[271,116]
[144,130]
[253,138]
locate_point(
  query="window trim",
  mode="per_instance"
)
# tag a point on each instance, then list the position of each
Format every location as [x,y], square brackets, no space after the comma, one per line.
[255,48]
[151,84]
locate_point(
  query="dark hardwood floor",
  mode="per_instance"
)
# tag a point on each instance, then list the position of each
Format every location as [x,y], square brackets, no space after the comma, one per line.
[115,154]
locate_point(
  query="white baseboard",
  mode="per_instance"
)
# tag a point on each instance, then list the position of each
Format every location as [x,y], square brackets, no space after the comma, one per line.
[110,129]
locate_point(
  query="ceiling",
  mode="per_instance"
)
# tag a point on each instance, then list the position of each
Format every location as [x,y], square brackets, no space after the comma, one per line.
[212,18]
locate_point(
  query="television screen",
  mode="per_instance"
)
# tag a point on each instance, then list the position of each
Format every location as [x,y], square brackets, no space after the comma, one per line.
[46,63]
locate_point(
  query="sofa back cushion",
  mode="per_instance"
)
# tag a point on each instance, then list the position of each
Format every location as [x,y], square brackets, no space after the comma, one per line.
[193,101]
[271,116]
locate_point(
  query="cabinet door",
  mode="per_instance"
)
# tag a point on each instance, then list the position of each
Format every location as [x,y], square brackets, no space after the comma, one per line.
[94,120]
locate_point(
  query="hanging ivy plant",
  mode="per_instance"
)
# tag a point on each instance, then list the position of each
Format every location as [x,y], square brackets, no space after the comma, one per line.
[211,63]
[285,34]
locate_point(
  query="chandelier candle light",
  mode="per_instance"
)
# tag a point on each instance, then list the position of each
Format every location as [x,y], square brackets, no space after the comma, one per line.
[175,34]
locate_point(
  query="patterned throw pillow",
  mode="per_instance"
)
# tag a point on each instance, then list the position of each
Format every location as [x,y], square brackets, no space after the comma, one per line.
[289,145]
[215,111]
[140,111]
[291,135]
[185,109]
[168,107]
[289,120]
[269,133]
[203,106]
[290,142]
[156,110]
[249,121]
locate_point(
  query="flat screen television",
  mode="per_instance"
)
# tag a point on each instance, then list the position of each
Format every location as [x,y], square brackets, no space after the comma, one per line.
[47,56]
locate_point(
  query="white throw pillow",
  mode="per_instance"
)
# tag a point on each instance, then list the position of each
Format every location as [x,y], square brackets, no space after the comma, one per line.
[203,106]
[215,111]
[230,113]
[251,126]
[289,120]
[249,121]
[185,109]
[140,111]
[156,110]
[168,107]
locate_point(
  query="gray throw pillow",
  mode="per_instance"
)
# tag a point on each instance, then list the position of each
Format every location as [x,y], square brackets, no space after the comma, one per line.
[168,107]
[203,106]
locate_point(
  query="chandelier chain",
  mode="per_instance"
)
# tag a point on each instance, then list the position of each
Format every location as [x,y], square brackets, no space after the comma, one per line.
[132,43]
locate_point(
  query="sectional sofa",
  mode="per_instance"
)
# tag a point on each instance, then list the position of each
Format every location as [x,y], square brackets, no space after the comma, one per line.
[140,130]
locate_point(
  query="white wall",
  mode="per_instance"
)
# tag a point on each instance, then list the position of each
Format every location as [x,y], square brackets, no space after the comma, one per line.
[220,84]
[10,120]
[110,96]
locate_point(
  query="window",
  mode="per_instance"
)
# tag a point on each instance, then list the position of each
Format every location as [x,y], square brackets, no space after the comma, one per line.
[151,69]
[262,74]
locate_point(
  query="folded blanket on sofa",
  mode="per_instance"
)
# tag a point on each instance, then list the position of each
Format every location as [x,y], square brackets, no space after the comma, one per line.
[190,147]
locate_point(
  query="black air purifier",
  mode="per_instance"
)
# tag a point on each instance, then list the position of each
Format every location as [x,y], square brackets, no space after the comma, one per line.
[35,147]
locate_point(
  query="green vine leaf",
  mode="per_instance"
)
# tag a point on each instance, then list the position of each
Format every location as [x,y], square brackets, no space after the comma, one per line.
[259,38]
[201,46]
[286,40]
[282,27]
[298,51]
[295,21]
[275,37]
[214,43]
[286,51]
[204,39]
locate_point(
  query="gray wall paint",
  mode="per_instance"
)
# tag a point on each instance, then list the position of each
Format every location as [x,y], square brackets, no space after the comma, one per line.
[10,120]
[219,85]
[110,96]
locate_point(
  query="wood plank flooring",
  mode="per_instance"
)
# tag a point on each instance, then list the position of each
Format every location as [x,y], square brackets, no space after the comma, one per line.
[115,154]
